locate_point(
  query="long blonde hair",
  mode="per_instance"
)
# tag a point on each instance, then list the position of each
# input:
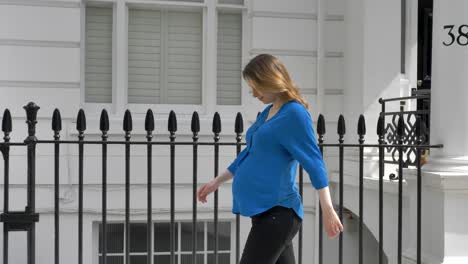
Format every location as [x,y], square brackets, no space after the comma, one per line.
[268,74]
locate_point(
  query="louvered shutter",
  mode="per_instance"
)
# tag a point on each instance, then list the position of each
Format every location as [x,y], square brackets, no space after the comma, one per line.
[98,55]
[229,59]
[144,56]
[184,57]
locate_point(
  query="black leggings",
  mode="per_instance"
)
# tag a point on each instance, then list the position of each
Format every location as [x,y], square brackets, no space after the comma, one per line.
[270,238]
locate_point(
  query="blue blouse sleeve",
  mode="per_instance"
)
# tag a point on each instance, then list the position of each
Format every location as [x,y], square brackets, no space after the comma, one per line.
[298,138]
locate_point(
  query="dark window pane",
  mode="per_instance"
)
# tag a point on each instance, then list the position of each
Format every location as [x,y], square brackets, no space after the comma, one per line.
[162,237]
[114,238]
[186,229]
[164,259]
[224,235]
[138,238]
[112,259]
[223,258]
[187,259]
[138,259]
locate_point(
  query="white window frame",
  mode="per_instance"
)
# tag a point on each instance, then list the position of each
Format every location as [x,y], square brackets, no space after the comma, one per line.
[178,253]
[209,62]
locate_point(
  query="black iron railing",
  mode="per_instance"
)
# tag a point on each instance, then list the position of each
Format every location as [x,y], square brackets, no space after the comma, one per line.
[25,220]
[409,136]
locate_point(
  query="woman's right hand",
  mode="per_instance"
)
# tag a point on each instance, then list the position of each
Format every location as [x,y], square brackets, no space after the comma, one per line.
[332,223]
[206,189]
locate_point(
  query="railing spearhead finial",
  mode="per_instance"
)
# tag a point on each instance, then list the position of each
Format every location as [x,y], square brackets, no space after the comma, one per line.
[239,124]
[172,123]
[321,125]
[341,126]
[81,121]
[195,125]
[361,130]
[380,126]
[149,121]
[104,121]
[56,121]
[6,122]
[216,123]
[127,121]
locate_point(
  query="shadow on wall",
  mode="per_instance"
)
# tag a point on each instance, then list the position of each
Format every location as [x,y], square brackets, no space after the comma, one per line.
[351,243]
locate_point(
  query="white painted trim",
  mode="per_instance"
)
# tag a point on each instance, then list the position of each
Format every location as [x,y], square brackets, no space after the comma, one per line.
[230,7]
[44,3]
[39,43]
[153,3]
[211,57]
[291,15]
[115,33]
[82,54]
[445,181]
[120,60]
[334,92]
[320,61]
[291,52]
[329,17]
[285,52]
[246,46]
[37,84]
[334,54]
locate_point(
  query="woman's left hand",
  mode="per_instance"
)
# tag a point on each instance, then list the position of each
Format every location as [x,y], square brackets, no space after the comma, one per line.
[332,223]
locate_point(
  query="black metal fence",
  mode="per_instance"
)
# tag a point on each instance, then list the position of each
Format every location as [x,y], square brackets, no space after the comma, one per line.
[27,219]
[410,137]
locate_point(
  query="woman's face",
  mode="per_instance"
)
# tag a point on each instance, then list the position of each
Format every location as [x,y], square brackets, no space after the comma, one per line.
[264,97]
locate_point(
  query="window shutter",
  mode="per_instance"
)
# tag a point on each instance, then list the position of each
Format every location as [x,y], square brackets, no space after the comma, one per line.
[229,59]
[98,54]
[144,56]
[184,57]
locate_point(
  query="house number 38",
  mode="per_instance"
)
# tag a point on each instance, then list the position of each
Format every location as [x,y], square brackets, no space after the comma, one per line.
[460,35]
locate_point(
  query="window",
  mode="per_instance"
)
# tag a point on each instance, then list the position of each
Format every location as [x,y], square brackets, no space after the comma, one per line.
[98,56]
[160,57]
[161,247]
[229,58]
[164,57]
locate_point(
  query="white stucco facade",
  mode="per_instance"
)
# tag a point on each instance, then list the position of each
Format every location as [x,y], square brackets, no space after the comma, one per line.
[343,54]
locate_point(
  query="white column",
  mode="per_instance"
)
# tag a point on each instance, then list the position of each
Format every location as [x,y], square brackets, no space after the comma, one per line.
[449,108]
[445,176]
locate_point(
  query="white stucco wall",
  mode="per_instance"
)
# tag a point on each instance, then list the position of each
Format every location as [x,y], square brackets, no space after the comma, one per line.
[343,54]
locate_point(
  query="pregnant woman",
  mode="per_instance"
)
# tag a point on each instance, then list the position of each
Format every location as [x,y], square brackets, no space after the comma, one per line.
[264,172]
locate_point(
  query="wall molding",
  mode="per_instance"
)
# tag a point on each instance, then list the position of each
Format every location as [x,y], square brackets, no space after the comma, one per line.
[40,43]
[270,14]
[334,17]
[334,92]
[43,3]
[293,15]
[285,52]
[334,54]
[291,52]
[39,84]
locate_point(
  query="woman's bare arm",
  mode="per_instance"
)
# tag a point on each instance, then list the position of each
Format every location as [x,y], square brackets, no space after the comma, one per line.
[224,177]
[333,225]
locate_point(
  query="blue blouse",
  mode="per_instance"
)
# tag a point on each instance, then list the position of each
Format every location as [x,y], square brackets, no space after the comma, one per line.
[265,170]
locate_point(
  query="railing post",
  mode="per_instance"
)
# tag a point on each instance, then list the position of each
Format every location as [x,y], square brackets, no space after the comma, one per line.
[31,115]
[5,149]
